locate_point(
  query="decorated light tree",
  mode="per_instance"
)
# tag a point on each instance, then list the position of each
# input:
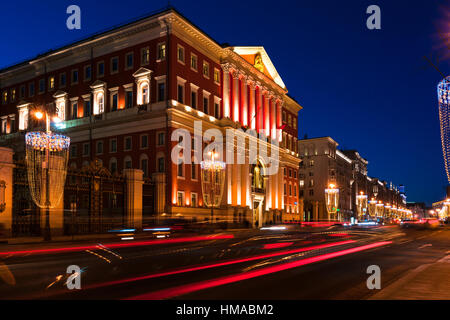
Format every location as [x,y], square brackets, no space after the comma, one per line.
[213,181]
[443,91]
[46,158]
[361,203]
[332,201]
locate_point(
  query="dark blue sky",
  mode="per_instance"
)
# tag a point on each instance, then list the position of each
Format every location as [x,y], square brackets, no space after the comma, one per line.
[369,90]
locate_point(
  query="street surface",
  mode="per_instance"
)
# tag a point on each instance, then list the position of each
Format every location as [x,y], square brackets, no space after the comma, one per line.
[293,263]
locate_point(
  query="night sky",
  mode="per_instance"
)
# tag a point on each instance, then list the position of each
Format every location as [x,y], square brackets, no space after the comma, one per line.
[370,90]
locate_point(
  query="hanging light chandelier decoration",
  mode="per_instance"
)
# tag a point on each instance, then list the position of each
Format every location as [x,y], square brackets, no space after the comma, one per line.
[361,201]
[46,158]
[213,181]
[443,91]
[332,201]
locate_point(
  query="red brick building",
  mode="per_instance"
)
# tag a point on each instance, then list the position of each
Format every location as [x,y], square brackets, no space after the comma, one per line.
[121,94]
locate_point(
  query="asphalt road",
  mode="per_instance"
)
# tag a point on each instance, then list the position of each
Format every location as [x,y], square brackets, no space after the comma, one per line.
[307,263]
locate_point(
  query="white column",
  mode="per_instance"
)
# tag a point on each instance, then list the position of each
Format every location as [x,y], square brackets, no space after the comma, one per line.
[245,101]
[252,106]
[273,118]
[226,91]
[260,112]
[266,114]
[236,91]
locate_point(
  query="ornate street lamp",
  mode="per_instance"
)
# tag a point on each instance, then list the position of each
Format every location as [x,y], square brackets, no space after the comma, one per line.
[2,196]
[380,209]
[361,205]
[372,208]
[387,210]
[213,181]
[332,200]
[46,158]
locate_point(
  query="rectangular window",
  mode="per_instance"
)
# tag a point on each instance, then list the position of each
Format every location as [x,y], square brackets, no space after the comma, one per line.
[13,95]
[113,145]
[180,93]
[180,171]
[180,198]
[194,99]
[74,111]
[41,85]
[194,65]
[87,73]
[22,92]
[114,65]
[194,197]
[161,139]
[161,91]
[129,99]
[74,76]
[31,90]
[205,105]
[99,147]
[161,164]
[100,69]
[144,167]
[114,102]
[127,144]
[86,149]
[51,83]
[62,80]
[180,54]
[194,172]
[87,108]
[144,141]
[161,49]
[73,151]
[206,69]
[216,75]
[311,192]
[145,56]
[129,61]
[216,110]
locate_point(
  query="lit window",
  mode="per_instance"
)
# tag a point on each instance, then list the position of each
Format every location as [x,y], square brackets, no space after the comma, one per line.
[13,94]
[161,51]
[51,83]
[206,69]
[145,56]
[194,65]
[194,198]
[216,76]
[180,198]
[180,54]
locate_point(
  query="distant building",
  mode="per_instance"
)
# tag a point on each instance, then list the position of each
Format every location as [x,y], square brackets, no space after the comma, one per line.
[324,164]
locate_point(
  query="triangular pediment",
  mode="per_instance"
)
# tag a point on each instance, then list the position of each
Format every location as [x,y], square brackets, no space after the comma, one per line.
[59,93]
[98,84]
[142,72]
[258,58]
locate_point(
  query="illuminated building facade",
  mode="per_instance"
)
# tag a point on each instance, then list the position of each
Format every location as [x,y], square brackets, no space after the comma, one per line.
[324,164]
[121,94]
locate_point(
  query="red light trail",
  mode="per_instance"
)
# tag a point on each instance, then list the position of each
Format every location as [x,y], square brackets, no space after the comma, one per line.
[119,245]
[185,289]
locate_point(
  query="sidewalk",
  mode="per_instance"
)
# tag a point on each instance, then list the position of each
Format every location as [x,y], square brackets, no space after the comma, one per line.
[426,282]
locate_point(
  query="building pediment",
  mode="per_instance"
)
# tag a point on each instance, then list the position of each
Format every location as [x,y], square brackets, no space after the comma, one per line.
[259,59]
[59,94]
[142,72]
[98,84]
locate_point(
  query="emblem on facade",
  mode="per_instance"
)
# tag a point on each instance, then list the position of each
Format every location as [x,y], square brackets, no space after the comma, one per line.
[258,62]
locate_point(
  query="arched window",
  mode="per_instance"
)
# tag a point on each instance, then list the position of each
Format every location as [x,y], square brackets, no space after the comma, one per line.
[127,163]
[160,162]
[113,165]
[144,93]
[143,164]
